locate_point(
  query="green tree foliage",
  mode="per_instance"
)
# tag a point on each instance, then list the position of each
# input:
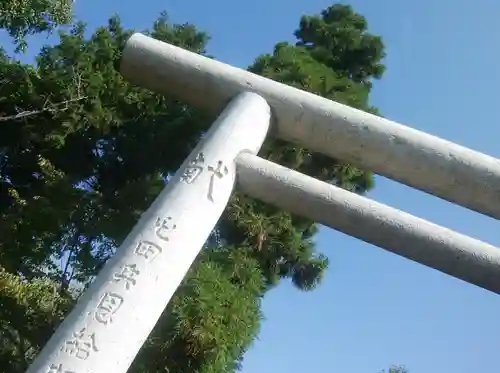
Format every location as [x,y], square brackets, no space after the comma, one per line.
[396,369]
[83,154]
[105,142]
[29,313]
[21,18]
[339,39]
[212,319]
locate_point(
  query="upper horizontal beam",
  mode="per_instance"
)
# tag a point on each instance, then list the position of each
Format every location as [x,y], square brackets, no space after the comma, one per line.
[439,167]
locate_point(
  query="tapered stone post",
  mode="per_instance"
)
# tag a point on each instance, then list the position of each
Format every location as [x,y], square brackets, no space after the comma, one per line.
[111,321]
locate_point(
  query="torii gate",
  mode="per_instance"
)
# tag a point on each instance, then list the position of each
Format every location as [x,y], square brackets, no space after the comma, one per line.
[111,321]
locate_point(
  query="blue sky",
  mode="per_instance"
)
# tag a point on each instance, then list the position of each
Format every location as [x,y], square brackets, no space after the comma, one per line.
[375,309]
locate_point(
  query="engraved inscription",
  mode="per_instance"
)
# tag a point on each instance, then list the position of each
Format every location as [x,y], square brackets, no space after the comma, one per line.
[80,345]
[218,172]
[194,169]
[163,227]
[128,274]
[147,249]
[107,307]
[58,368]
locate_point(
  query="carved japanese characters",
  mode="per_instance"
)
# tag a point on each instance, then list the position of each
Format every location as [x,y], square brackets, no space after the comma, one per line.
[196,167]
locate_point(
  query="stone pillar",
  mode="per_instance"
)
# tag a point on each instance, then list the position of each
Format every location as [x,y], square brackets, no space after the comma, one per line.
[111,321]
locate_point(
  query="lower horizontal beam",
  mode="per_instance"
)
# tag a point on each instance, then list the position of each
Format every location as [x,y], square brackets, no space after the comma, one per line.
[440,248]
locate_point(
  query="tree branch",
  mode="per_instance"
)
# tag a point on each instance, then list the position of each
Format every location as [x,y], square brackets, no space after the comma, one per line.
[61,106]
